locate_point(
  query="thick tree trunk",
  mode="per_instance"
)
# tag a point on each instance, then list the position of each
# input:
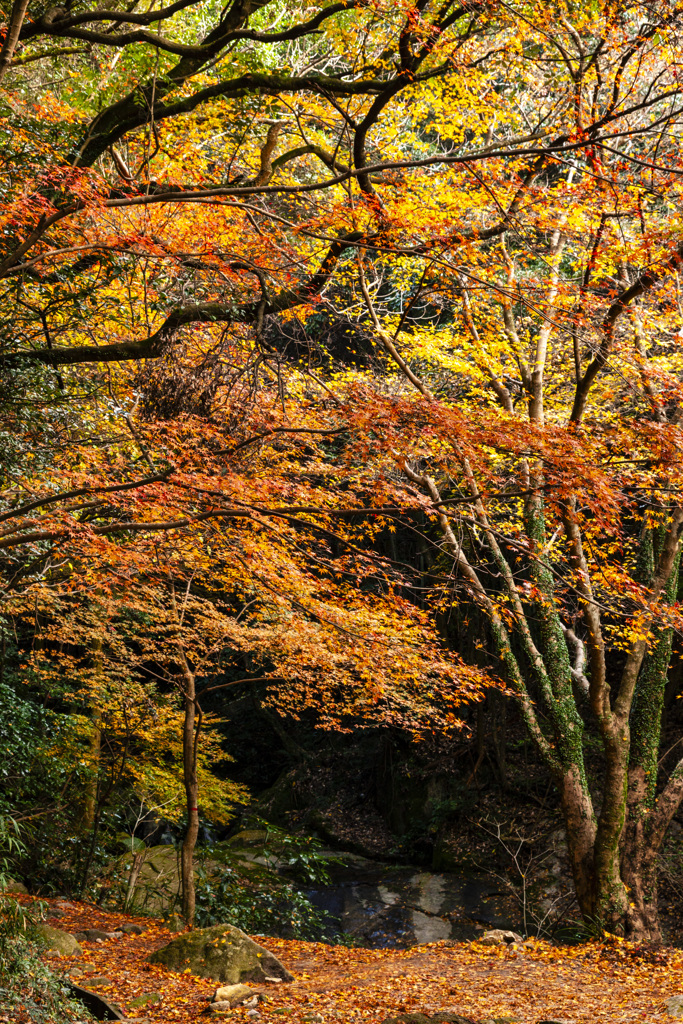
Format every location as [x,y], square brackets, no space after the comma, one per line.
[639,865]
[580,821]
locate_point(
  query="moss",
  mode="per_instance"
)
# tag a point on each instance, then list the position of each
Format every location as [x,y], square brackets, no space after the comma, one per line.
[223,953]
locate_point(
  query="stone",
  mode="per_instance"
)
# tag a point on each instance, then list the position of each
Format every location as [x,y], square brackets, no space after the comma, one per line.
[450,1018]
[442,1017]
[56,912]
[98,1006]
[99,981]
[497,936]
[221,1007]
[146,999]
[674,1006]
[130,929]
[223,953]
[235,994]
[408,1018]
[174,923]
[249,837]
[96,935]
[14,885]
[58,940]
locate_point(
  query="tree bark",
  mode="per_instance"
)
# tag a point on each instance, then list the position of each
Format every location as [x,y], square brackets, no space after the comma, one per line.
[190,735]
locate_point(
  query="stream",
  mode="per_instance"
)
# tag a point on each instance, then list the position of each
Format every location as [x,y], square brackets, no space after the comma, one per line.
[383,905]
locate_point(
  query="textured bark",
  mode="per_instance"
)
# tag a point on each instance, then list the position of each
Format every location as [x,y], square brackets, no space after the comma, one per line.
[639,863]
[579,818]
[191,795]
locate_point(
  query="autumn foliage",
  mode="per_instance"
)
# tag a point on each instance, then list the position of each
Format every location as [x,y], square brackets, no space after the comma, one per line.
[285,284]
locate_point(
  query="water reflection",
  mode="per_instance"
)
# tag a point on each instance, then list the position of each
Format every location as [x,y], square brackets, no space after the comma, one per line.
[382,906]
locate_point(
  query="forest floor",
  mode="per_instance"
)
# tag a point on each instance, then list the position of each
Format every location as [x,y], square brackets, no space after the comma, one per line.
[612,981]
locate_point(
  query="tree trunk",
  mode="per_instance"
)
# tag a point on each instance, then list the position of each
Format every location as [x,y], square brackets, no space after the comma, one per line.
[580,821]
[639,865]
[92,782]
[191,794]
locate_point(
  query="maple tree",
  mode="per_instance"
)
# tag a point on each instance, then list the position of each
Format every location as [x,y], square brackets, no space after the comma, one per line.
[279,277]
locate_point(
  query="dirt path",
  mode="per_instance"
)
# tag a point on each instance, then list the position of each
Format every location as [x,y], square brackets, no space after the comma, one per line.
[577,985]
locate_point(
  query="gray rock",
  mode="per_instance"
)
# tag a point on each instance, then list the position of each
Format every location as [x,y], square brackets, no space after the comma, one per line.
[13,885]
[58,940]
[99,981]
[223,953]
[146,999]
[498,937]
[674,1006]
[234,994]
[130,929]
[443,1017]
[96,935]
[99,1007]
[220,1007]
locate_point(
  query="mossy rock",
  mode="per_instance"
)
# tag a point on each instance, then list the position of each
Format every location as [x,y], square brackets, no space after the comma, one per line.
[223,953]
[57,940]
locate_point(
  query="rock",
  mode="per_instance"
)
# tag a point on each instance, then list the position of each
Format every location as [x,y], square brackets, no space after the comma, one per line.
[96,935]
[174,923]
[496,937]
[13,885]
[235,994]
[131,929]
[249,837]
[223,953]
[99,1007]
[220,1007]
[443,1017]
[56,912]
[674,1006]
[451,1018]
[146,999]
[57,940]
[99,981]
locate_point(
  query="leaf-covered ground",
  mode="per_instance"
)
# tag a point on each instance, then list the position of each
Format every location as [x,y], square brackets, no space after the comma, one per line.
[613,982]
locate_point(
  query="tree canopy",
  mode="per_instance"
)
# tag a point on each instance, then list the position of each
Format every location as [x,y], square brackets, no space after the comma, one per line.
[326,324]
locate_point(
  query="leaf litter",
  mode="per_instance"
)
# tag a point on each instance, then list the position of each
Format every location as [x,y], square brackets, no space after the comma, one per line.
[611,980]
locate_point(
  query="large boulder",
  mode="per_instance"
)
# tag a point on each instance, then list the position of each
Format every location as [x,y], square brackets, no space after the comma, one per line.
[58,940]
[223,953]
[674,1006]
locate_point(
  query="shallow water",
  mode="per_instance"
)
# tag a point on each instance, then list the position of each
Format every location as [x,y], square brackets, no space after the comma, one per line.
[383,906]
